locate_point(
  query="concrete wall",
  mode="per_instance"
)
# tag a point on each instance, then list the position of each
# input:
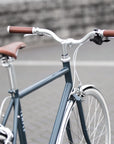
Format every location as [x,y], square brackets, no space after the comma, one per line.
[68,18]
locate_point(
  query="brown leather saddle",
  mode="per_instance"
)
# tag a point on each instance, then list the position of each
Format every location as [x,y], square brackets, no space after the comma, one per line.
[12,49]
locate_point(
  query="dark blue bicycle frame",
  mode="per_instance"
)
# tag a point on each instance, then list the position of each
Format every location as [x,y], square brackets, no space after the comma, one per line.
[18,116]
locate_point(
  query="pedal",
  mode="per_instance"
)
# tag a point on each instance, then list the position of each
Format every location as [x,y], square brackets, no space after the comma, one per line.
[6,135]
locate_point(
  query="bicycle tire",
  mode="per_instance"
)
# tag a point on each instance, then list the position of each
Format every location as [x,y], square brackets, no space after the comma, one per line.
[96,118]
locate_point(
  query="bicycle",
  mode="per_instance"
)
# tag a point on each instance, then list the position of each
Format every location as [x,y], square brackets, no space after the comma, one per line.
[82,115]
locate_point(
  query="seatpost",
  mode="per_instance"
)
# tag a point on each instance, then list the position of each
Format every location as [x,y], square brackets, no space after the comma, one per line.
[7,62]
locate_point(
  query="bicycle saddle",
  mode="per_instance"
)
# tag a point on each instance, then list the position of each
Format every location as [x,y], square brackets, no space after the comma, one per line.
[11,49]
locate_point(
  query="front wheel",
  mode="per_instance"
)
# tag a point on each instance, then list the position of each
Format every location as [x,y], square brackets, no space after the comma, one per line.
[96,119]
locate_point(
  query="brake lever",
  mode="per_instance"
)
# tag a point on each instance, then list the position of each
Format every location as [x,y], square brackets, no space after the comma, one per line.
[35,34]
[26,35]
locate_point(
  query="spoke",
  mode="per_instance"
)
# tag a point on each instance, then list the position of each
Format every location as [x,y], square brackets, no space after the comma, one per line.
[98,123]
[92,118]
[89,110]
[101,134]
[94,121]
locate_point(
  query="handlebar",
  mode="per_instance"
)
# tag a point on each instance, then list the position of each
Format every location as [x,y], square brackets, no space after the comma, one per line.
[39,31]
[108,33]
[17,29]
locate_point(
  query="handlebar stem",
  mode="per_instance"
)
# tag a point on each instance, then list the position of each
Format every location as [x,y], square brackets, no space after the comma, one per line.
[65,57]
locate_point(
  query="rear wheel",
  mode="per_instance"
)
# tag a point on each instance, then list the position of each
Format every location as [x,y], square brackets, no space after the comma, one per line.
[96,119]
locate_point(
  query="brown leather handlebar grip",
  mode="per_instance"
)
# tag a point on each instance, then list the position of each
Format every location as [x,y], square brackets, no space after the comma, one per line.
[17,29]
[108,33]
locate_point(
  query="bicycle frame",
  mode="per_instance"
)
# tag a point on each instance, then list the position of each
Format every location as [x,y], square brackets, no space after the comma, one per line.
[18,123]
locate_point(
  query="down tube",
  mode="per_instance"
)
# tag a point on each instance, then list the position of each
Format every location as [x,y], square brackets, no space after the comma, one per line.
[60,113]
